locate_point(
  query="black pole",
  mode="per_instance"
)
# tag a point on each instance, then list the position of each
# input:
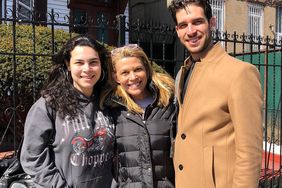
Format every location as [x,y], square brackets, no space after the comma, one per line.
[14,9]
[121,29]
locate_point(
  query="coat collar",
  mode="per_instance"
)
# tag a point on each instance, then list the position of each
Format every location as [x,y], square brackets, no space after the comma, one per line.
[212,54]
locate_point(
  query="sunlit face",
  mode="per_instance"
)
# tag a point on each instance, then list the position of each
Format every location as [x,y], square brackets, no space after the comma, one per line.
[193,28]
[132,77]
[85,68]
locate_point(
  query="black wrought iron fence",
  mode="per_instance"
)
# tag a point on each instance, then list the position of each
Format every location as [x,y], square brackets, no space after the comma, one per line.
[27,47]
[265,53]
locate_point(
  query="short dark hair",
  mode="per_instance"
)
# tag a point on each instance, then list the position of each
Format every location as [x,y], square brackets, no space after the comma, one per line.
[176,5]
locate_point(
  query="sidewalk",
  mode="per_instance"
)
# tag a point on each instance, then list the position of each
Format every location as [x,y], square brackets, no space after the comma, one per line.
[272,156]
[270,172]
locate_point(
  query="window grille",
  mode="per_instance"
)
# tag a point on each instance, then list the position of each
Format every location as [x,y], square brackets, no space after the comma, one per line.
[218,12]
[255,21]
[25,9]
[279,23]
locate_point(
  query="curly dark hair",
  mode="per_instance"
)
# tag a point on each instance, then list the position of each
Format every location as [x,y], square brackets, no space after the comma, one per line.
[176,5]
[59,91]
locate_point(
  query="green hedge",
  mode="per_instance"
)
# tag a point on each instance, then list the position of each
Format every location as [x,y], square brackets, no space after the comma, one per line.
[31,69]
[27,60]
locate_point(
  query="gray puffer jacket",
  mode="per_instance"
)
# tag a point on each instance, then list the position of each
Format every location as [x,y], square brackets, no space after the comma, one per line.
[143,146]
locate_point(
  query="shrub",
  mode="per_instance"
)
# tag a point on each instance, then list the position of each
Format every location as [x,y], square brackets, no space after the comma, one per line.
[33,52]
[26,57]
[24,65]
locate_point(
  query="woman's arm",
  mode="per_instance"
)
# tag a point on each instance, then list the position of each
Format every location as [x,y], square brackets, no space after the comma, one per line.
[37,156]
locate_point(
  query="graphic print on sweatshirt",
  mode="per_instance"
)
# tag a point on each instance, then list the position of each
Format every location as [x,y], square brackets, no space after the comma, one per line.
[91,144]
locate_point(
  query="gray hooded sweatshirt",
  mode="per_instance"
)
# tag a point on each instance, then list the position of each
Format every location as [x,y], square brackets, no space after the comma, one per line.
[80,154]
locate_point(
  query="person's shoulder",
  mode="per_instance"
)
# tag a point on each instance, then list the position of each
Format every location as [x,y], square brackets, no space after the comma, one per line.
[241,70]
[41,102]
[38,111]
[237,63]
[244,65]
[40,106]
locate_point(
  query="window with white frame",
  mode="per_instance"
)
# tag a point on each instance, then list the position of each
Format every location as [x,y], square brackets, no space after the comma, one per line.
[218,12]
[279,23]
[25,9]
[255,22]
[255,19]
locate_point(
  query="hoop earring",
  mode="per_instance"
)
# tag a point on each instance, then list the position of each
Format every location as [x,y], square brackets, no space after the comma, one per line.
[64,72]
[68,75]
[102,75]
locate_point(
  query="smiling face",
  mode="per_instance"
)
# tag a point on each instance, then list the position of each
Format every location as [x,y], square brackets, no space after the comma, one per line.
[131,74]
[193,28]
[85,68]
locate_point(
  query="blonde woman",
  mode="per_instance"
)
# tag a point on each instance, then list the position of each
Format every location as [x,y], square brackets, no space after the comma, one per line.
[143,110]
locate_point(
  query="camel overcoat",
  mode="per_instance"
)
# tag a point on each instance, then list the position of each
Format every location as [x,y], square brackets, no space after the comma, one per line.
[219,138]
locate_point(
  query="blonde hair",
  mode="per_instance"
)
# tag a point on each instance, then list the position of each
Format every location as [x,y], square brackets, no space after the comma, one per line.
[163,83]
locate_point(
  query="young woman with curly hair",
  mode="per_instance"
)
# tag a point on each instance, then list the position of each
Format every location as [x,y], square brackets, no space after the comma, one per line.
[68,113]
